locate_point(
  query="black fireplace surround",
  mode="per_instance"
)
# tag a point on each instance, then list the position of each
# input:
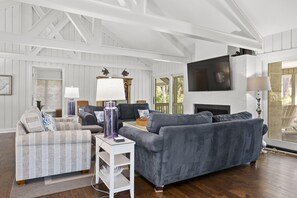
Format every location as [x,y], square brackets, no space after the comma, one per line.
[214,109]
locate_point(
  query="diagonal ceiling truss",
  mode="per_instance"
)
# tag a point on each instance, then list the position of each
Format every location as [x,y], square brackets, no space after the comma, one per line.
[104,11]
[46,34]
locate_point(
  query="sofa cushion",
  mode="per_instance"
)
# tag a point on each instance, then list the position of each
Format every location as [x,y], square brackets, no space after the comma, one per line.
[32,120]
[126,112]
[137,107]
[229,117]
[99,116]
[90,109]
[49,122]
[143,113]
[158,120]
[58,137]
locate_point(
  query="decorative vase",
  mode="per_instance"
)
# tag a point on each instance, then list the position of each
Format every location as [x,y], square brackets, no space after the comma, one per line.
[71,107]
[110,120]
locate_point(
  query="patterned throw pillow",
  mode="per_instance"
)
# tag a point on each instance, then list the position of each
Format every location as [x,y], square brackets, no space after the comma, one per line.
[49,122]
[144,113]
[99,116]
[32,120]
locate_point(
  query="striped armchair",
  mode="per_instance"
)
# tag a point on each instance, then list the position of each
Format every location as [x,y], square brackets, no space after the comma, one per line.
[48,153]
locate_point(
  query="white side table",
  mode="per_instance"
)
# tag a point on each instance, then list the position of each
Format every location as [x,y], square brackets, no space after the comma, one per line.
[113,156]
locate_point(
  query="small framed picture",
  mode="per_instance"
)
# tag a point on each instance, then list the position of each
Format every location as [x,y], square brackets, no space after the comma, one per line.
[5,85]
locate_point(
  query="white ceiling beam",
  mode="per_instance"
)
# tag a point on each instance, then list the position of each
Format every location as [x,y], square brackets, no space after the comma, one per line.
[175,42]
[82,47]
[46,59]
[116,14]
[6,3]
[226,12]
[80,27]
[97,30]
[51,35]
[121,43]
[122,3]
[43,23]
[169,37]
[138,6]
[50,28]
[244,19]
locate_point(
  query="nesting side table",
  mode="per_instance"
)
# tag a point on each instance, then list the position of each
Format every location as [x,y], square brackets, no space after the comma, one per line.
[113,155]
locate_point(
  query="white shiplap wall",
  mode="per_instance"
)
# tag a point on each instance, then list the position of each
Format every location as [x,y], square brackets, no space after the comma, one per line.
[82,76]
[166,69]
[280,41]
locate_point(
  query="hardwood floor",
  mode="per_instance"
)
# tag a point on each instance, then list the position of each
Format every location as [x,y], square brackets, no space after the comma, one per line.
[6,163]
[275,175]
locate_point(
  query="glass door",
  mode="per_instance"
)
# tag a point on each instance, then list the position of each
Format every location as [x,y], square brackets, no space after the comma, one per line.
[162,94]
[282,106]
[178,95]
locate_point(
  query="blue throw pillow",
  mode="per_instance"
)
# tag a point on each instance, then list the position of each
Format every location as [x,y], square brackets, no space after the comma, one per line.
[49,122]
[143,113]
[229,117]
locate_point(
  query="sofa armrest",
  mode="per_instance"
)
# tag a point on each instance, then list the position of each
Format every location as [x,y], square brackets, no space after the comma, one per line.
[88,118]
[65,119]
[54,137]
[150,141]
[265,129]
[154,111]
[61,126]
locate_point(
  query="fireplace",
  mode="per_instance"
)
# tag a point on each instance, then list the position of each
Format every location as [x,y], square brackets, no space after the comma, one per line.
[214,109]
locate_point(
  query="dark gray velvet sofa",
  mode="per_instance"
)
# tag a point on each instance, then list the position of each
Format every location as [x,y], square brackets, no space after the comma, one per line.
[173,151]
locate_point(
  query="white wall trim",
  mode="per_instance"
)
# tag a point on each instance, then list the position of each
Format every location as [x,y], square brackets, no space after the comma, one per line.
[9,130]
[45,59]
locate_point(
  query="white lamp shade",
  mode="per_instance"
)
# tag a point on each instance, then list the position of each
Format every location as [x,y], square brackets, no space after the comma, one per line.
[260,83]
[110,89]
[71,92]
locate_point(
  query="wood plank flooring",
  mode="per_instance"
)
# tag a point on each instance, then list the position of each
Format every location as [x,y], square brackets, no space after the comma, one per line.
[275,175]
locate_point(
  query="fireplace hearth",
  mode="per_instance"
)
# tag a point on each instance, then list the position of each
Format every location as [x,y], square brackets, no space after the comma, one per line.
[214,109]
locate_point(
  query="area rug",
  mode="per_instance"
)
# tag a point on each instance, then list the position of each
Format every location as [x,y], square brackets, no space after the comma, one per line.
[50,185]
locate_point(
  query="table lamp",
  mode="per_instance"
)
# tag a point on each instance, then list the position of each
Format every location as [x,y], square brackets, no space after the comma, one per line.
[109,90]
[258,83]
[71,93]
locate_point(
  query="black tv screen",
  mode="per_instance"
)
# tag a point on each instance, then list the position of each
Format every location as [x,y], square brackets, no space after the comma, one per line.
[210,75]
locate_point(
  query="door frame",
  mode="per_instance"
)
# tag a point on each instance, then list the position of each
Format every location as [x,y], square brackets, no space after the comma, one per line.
[262,67]
[63,83]
[170,76]
[154,90]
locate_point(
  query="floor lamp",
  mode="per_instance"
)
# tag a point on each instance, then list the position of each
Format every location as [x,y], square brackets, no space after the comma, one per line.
[71,93]
[259,83]
[110,89]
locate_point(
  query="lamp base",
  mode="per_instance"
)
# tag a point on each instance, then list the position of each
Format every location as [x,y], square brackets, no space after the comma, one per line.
[71,108]
[258,105]
[110,120]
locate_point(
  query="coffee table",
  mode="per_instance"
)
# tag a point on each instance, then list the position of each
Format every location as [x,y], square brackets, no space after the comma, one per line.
[134,125]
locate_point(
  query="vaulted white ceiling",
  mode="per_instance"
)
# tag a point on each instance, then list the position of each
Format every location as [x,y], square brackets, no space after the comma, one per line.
[270,16]
[166,30]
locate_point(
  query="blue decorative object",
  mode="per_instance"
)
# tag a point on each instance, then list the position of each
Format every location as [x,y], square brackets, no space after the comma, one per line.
[71,107]
[49,122]
[109,89]
[71,93]
[110,120]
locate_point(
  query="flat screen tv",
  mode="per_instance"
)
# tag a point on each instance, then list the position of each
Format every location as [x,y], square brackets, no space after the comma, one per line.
[210,75]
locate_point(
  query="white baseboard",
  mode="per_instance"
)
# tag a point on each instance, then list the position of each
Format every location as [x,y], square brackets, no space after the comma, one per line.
[11,130]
